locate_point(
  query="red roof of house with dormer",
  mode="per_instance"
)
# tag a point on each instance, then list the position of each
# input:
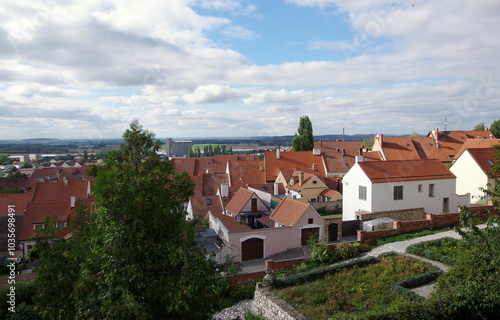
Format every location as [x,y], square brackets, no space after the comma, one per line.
[61,190]
[239,200]
[485,158]
[230,223]
[289,211]
[405,170]
[201,205]
[293,160]
[477,143]
[37,213]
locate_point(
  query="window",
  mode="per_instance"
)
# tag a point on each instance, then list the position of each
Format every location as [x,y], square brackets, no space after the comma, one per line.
[61,225]
[39,226]
[310,220]
[209,202]
[398,193]
[431,190]
[314,199]
[362,193]
[419,188]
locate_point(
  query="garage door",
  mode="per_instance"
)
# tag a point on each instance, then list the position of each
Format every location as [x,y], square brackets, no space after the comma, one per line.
[306,234]
[252,249]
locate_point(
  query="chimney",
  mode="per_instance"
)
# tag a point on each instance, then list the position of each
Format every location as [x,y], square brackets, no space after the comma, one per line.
[359,159]
[380,138]
[65,181]
[321,144]
[316,152]
[435,133]
[276,189]
[73,201]
[343,152]
[437,144]
[301,178]
[278,153]
[314,167]
[361,151]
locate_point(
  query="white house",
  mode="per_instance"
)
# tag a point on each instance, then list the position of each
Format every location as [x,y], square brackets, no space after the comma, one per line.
[471,169]
[378,186]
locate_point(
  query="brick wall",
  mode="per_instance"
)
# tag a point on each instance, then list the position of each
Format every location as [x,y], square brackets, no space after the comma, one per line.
[284,264]
[268,305]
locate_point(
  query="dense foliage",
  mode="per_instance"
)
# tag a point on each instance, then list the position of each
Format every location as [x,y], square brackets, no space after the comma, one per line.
[303,140]
[135,258]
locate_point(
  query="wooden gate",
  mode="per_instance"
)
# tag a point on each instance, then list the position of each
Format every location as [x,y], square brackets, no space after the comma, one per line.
[252,249]
[307,234]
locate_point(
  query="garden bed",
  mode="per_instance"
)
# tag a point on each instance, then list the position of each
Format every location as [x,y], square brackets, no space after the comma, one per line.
[446,250]
[372,286]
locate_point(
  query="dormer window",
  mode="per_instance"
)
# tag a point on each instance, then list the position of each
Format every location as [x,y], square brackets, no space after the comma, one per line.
[209,202]
[61,225]
[38,226]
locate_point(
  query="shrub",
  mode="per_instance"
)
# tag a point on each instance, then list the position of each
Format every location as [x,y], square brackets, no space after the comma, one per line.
[346,250]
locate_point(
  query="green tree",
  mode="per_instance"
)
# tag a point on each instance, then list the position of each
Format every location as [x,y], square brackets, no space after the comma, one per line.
[85,155]
[415,134]
[479,127]
[495,128]
[4,158]
[143,262]
[471,288]
[303,140]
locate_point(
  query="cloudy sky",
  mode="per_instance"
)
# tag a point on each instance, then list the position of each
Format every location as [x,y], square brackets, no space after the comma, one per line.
[205,68]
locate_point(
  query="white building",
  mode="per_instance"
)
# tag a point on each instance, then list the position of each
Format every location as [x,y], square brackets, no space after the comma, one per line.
[471,169]
[378,186]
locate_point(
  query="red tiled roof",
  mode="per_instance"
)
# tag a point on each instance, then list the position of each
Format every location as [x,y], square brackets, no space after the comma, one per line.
[329,193]
[485,158]
[243,173]
[15,183]
[19,200]
[477,143]
[415,148]
[230,223]
[339,156]
[293,160]
[37,212]
[201,205]
[60,190]
[266,220]
[239,200]
[407,170]
[289,211]
[182,164]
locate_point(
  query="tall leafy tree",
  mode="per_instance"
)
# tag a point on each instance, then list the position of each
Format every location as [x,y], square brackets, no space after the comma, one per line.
[479,127]
[495,128]
[144,262]
[303,140]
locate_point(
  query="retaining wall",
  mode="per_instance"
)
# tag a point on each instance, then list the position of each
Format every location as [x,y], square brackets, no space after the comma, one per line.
[268,305]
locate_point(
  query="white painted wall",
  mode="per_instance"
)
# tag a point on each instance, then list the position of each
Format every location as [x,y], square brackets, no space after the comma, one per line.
[380,196]
[350,193]
[264,196]
[470,177]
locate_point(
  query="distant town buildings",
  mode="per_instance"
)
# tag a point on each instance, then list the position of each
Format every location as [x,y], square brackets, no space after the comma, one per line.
[177,149]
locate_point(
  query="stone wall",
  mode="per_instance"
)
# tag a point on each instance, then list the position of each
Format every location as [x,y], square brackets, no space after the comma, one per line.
[399,215]
[328,205]
[268,305]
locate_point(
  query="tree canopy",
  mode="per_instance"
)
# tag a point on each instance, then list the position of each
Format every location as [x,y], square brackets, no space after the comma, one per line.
[495,128]
[303,140]
[136,256]
[479,127]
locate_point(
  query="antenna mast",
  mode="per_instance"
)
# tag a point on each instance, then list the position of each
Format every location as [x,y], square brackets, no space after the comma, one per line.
[445,123]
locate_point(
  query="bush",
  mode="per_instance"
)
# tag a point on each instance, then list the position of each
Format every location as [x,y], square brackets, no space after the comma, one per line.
[346,250]
[444,250]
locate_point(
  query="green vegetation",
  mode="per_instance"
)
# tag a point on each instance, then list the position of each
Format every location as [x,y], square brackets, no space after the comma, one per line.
[446,250]
[495,128]
[479,127]
[134,257]
[355,291]
[403,237]
[303,140]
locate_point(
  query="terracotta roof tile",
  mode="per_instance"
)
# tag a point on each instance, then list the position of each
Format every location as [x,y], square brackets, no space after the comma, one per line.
[289,211]
[407,170]
[294,160]
[477,143]
[230,223]
[243,173]
[201,205]
[239,200]
[37,212]
[485,157]
[19,200]
[60,190]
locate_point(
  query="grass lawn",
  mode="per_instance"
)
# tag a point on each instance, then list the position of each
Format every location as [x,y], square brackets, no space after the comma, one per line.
[354,291]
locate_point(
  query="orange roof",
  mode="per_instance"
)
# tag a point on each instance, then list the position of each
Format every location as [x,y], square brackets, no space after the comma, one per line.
[339,156]
[57,174]
[477,143]
[485,158]
[453,140]
[289,211]
[405,170]
[201,205]
[182,164]
[414,148]
[19,200]
[329,193]
[239,200]
[37,212]
[60,190]
[245,172]
[293,160]
[230,223]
